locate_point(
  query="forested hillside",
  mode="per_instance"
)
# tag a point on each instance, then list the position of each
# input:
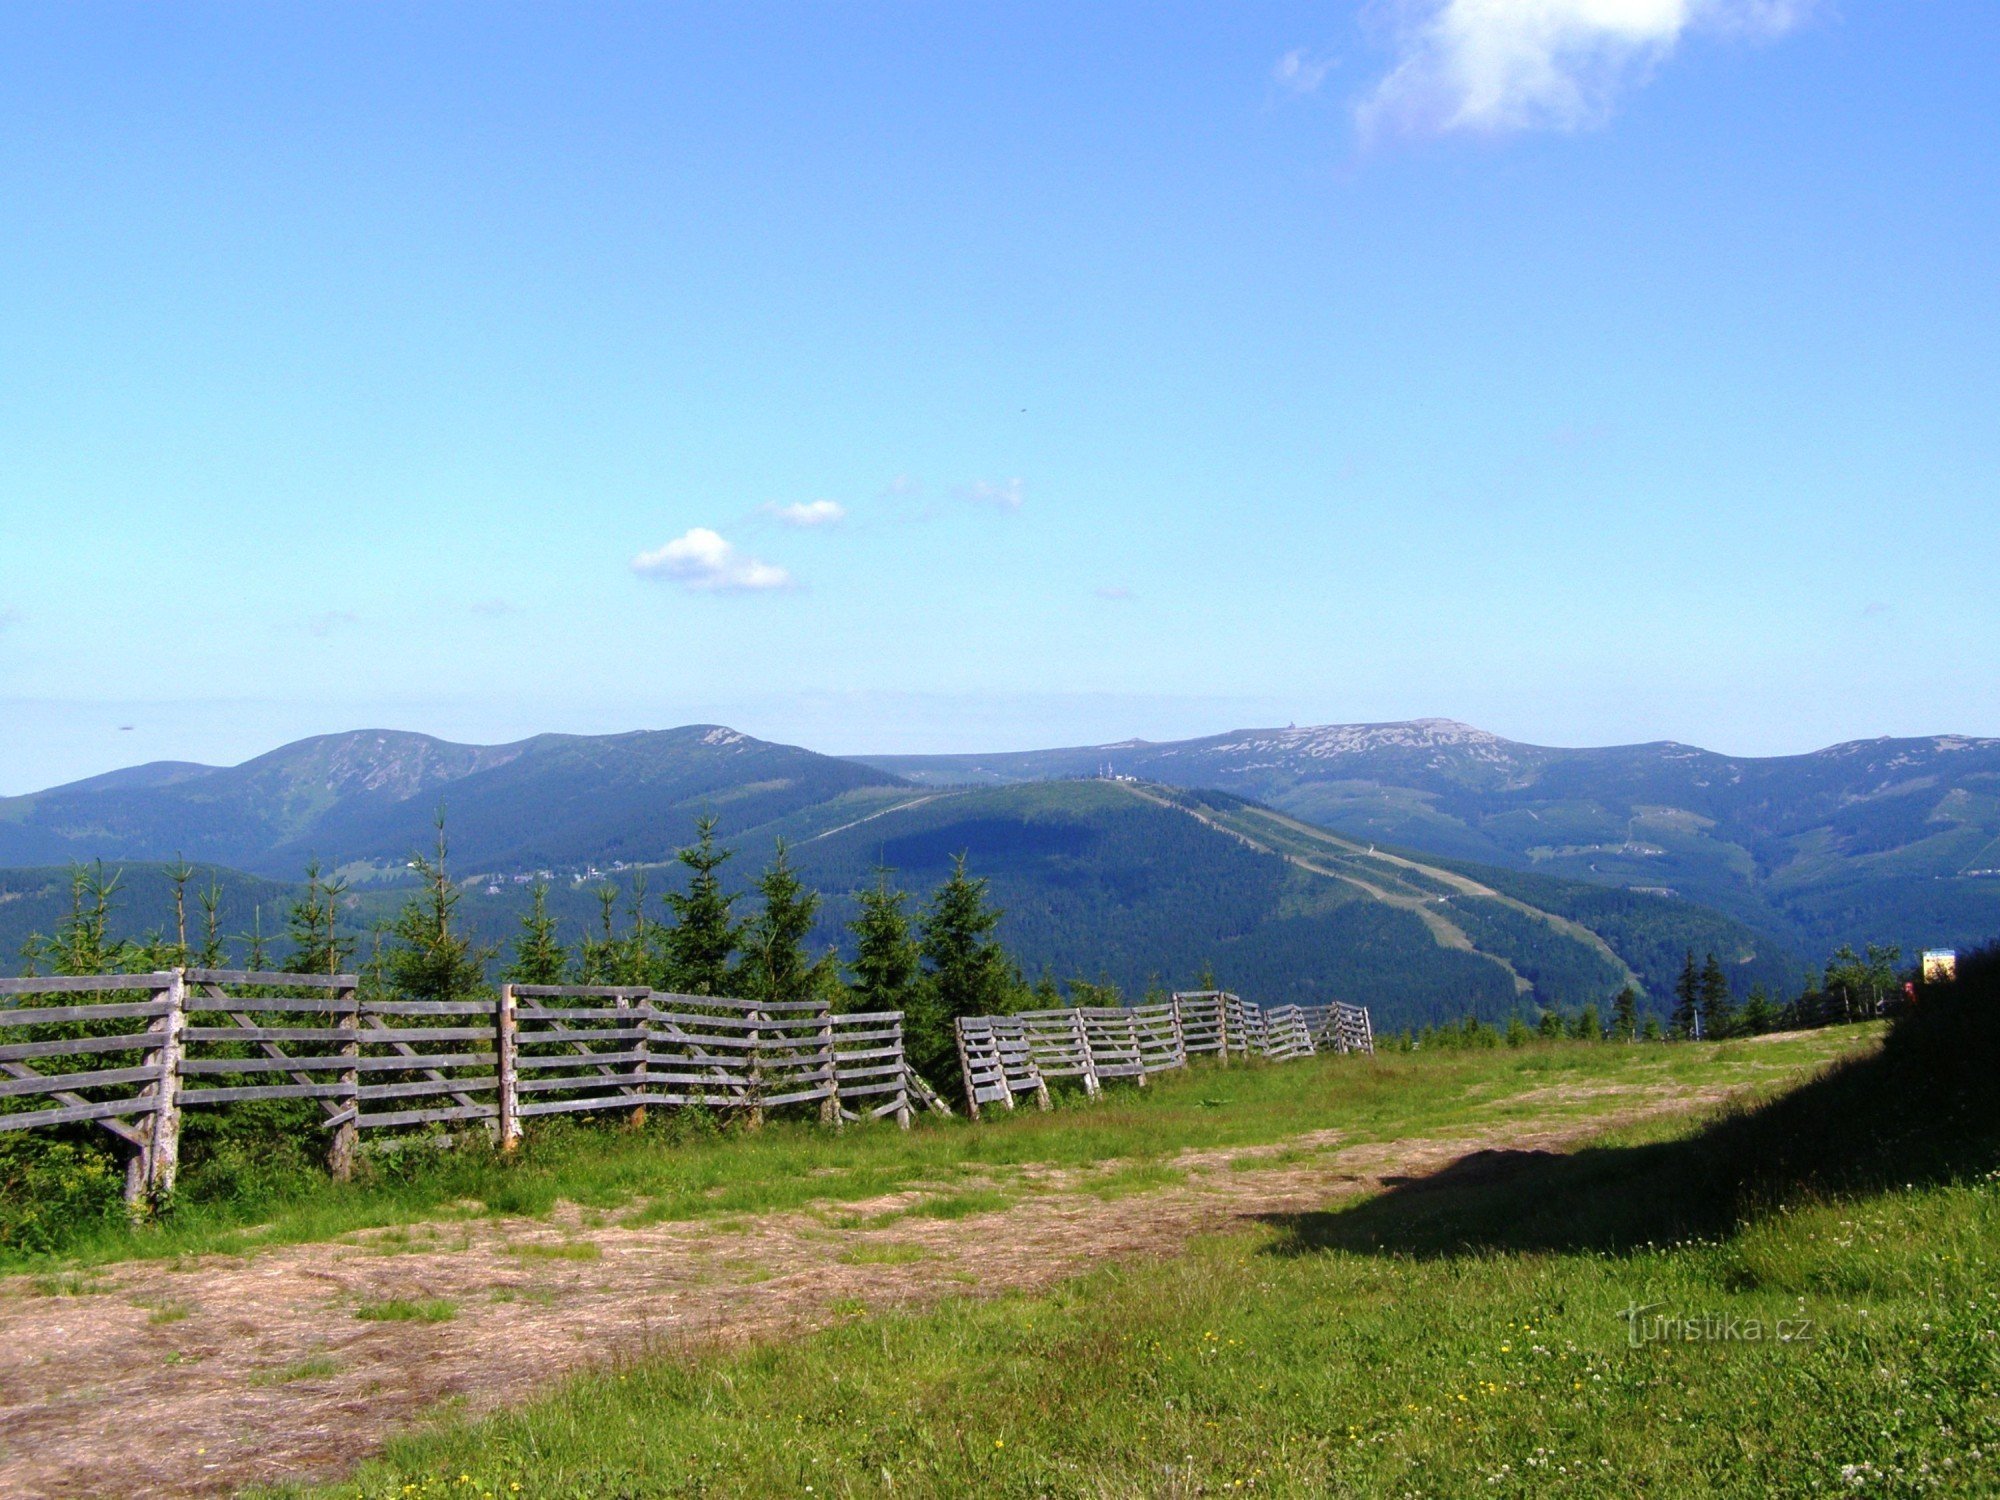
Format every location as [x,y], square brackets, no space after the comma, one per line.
[1108,882]
[1871,841]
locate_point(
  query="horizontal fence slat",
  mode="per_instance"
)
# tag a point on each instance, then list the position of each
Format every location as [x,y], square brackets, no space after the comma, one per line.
[233,1094]
[425,1086]
[72,1113]
[581,1082]
[428,1007]
[573,1106]
[330,1035]
[579,1060]
[76,984]
[52,1015]
[50,1083]
[274,979]
[323,1005]
[427,1116]
[137,1041]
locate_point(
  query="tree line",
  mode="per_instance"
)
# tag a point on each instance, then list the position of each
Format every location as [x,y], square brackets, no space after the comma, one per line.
[934,960]
[1849,987]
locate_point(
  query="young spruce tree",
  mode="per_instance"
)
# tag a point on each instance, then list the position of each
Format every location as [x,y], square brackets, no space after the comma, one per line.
[886,962]
[539,956]
[313,926]
[1718,1005]
[776,968]
[966,973]
[1625,1015]
[705,934]
[1686,1019]
[425,958]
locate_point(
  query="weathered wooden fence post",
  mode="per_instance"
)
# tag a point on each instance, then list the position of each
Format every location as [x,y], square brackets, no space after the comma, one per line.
[756,1040]
[829,1107]
[965,1068]
[1088,1059]
[1180,1036]
[163,1157]
[347,1119]
[507,1073]
[902,1077]
[626,1014]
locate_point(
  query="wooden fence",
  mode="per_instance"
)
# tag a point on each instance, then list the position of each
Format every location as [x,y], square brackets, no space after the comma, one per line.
[131,1052]
[1001,1057]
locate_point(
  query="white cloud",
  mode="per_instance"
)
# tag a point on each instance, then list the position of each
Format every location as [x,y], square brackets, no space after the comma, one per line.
[1499,65]
[701,560]
[810,513]
[1298,72]
[495,609]
[1007,496]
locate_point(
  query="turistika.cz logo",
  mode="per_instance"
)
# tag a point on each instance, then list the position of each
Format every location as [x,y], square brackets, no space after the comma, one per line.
[1650,1325]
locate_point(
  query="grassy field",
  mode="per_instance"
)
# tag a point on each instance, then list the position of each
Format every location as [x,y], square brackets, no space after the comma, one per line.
[1794,1299]
[1267,1363]
[684,1168]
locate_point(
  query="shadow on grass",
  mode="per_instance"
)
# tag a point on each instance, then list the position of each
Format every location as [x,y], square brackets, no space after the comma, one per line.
[1924,1109]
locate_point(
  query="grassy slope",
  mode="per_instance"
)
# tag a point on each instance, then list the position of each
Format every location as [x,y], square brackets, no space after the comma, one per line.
[1455,1337]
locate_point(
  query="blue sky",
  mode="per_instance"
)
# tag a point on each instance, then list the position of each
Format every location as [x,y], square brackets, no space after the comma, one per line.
[966,376]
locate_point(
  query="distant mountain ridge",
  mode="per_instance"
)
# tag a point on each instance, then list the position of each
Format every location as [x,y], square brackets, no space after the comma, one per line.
[1889,838]
[1894,840]
[366,799]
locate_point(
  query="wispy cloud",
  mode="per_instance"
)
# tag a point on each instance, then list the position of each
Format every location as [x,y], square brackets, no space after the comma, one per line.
[1299,72]
[1492,66]
[1115,593]
[700,560]
[9,618]
[1003,496]
[807,514]
[495,608]
[903,487]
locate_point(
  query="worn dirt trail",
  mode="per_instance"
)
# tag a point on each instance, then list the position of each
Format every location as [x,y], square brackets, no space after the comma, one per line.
[202,1377]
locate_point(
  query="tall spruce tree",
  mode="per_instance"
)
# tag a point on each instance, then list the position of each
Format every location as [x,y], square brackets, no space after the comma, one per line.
[704,935]
[210,954]
[426,957]
[886,963]
[1718,1005]
[1686,1019]
[966,973]
[1625,1015]
[1759,1015]
[82,943]
[539,956]
[599,957]
[313,924]
[776,967]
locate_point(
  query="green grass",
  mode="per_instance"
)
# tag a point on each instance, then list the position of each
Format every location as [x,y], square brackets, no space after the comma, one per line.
[402,1310]
[1243,1368]
[1517,1326]
[566,1250]
[312,1368]
[686,1169]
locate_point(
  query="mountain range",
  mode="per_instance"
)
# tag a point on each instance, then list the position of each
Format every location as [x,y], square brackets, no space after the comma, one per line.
[1425,866]
[1889,839]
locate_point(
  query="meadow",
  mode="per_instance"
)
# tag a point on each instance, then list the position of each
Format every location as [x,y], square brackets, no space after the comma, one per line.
[1797,1296]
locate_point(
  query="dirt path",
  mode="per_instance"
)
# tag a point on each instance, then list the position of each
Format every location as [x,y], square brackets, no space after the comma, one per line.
[198,1378]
